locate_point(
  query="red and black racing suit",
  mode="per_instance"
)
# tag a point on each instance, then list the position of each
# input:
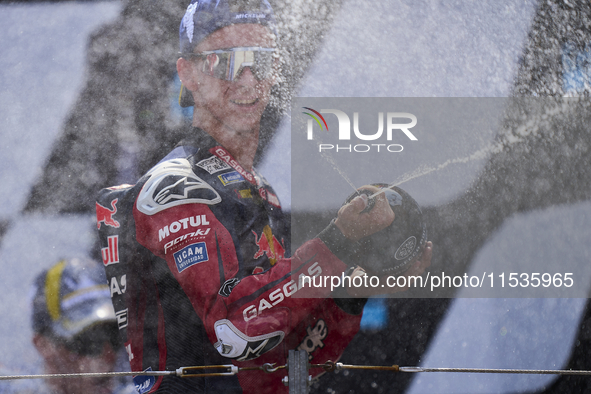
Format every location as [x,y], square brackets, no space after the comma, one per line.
[196,255]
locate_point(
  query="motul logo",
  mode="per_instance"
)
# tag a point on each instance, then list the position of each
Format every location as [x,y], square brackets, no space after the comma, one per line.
[182,224]
[111,252]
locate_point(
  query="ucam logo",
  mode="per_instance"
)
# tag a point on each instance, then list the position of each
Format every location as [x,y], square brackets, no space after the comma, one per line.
[393,123]
[193,254]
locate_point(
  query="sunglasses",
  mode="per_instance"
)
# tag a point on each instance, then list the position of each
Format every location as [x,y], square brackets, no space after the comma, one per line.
[228,64]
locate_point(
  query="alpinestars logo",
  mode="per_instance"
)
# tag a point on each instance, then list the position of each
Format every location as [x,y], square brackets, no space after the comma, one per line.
[174,183]
[179,191]
[255,349]
[228,286]
[233,343]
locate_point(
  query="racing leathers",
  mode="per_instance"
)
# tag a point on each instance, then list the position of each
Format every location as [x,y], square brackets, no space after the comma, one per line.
[196,255]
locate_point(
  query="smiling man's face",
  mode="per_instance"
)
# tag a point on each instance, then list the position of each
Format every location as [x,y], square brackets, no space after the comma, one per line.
[238,104]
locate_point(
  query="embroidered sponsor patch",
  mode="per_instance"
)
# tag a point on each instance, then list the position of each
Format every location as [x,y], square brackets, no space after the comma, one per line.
[230,177]
[105,215]
[110,254]
[268,245]
[144,384]
[213,164]
[226,157]
[190,255]
[244,193]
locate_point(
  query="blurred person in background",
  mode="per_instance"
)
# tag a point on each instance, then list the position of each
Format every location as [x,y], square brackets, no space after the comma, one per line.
[75,329]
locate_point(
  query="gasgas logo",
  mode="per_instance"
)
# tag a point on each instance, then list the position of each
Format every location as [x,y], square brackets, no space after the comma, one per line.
[395,124]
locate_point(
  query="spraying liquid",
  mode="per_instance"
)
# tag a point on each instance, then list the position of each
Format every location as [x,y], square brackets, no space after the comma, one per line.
[509,137]
[334,165]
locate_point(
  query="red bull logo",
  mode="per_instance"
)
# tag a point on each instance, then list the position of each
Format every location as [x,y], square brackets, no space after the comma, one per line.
[269,245]
[111,252]
[105,215]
